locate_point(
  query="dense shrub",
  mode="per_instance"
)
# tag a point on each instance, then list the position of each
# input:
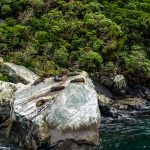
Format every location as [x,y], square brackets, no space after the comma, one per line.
[137,64]
[97,36]
[53,31]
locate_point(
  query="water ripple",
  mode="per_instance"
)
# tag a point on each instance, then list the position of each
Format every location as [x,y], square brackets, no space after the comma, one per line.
[126,133]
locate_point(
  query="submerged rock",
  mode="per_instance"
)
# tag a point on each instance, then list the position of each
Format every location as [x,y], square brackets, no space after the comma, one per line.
[18,73]
[43,115]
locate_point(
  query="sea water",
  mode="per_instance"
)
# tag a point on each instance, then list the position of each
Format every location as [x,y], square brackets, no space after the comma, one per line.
[125,133]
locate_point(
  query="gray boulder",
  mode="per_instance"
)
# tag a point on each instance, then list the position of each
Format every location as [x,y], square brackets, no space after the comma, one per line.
[127,107]
[104,105]
[54,112]
[137,90]
[18,73]
[7,90]
[116,84]
[102,99]
[119,85]
[106,81]
[102,89]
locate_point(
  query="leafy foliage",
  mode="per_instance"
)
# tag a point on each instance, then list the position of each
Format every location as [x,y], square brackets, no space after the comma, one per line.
[93,35]
[134,19]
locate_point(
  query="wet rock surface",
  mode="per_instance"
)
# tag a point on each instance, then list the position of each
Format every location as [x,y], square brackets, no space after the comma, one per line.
[119,86]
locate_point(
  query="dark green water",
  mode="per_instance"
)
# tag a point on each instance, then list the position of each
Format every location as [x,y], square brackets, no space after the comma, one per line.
[126,134]
[123,134]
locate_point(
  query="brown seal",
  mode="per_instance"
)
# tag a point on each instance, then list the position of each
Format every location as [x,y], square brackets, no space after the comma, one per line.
[57,88]
[41,102]
[39,80]
[77,80]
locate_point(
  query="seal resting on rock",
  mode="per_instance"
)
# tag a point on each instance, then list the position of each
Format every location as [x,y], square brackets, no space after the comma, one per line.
[57,88]
[77,80]
[41,102]
[39,80]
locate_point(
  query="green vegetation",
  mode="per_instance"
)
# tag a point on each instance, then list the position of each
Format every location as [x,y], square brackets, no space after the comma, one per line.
[48,36]
[134,19]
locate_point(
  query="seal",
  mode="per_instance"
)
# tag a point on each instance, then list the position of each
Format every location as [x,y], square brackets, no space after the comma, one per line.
[77,80]
[57,88]
[39,80]
[41,102]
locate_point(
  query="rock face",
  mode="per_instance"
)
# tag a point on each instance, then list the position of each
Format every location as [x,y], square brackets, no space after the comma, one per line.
[53,112]
[102,89]
[127,107]
[119,85]
[116,84]
[102,99]
[6,91]
[19,73]
[7,95]
[104,105]
[139,91]
[106,81]
[6,98]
